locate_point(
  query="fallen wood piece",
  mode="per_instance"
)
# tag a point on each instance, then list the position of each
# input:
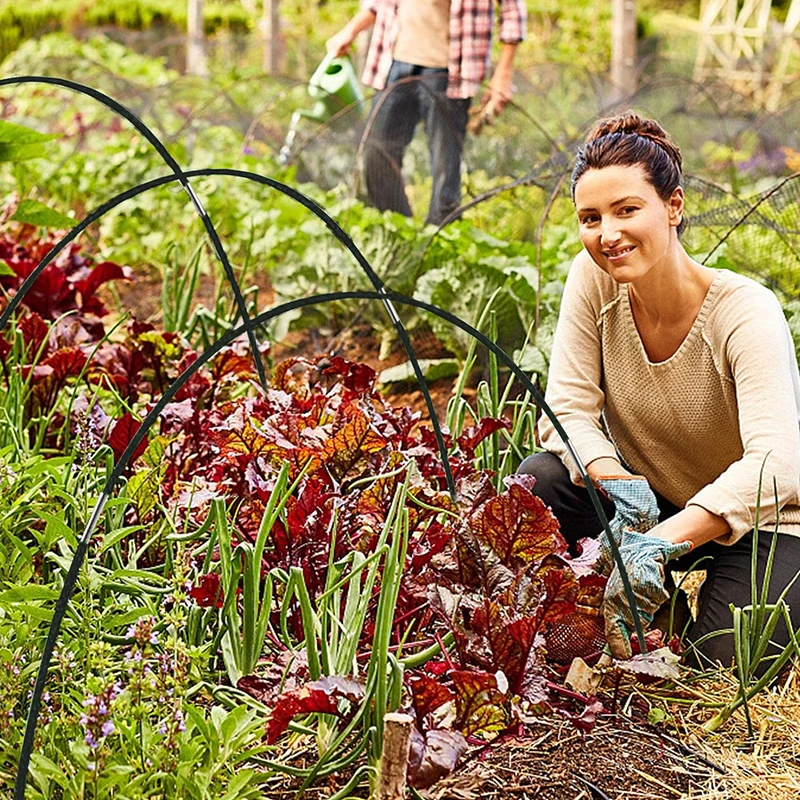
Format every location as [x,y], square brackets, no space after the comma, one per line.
[394,759]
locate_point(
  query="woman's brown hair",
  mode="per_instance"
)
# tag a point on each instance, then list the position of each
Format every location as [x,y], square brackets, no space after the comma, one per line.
[627,140]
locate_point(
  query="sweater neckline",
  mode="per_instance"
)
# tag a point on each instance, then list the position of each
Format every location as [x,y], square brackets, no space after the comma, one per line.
[697,325]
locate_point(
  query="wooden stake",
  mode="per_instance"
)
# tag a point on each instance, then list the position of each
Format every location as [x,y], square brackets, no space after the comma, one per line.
[270,27]
[394,759]
[623,47]
[196,63]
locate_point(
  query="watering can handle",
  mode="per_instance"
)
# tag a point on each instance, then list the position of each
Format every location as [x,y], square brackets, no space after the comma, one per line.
[326,60]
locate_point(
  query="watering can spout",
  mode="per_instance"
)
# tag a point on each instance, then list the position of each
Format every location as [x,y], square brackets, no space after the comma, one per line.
[334,85]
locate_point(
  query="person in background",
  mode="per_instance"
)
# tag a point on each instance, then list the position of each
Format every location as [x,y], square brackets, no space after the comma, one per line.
[677,384]
[428,58]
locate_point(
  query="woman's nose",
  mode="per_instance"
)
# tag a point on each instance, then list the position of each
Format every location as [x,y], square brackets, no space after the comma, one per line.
[609,234]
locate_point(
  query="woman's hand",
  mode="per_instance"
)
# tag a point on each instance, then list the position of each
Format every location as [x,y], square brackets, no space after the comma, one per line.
[340,42]
[645,558]
[635,508]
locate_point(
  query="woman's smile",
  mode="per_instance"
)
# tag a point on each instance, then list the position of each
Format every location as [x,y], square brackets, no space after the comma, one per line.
[618,254]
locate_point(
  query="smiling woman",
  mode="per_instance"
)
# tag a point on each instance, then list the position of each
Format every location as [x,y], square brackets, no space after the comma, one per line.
[678,385]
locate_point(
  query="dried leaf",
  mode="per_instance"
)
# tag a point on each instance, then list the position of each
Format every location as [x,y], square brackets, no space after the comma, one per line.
[661,663]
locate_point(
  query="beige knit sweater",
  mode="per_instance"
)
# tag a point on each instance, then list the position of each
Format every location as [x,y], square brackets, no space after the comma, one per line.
[698,425]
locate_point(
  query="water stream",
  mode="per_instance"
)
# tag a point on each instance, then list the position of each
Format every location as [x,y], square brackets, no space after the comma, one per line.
[286,151]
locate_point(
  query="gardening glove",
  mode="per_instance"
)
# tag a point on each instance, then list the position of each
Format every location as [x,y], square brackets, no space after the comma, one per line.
[635,509]
[645,558]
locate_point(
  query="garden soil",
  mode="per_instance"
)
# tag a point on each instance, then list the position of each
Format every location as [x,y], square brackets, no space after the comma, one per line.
[553,761]
[358,343]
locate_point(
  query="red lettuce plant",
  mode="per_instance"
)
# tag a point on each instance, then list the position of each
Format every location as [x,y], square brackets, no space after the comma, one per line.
[60,319]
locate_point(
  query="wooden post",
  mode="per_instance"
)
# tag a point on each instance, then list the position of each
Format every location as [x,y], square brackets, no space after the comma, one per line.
[623,48]
[196,63]
[394,759]
[270,28]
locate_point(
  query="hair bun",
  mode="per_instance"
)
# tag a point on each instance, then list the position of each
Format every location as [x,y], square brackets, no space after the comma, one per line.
[631,123]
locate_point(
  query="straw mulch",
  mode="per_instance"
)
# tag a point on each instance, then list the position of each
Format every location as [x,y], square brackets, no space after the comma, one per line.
[768,766]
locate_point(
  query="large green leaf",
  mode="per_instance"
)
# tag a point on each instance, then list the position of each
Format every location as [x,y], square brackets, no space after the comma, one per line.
[432,369]
[35,213]
[18,143]
[22,594]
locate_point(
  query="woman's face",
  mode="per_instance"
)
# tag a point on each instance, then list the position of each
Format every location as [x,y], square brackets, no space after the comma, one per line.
[624,225]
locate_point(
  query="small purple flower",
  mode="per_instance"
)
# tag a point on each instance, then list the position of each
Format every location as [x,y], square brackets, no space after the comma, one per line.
[142,632]
[95,719]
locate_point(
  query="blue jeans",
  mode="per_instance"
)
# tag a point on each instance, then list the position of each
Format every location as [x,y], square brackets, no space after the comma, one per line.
[397,110]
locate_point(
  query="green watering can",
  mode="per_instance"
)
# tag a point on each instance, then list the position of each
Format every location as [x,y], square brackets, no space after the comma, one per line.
[334,86]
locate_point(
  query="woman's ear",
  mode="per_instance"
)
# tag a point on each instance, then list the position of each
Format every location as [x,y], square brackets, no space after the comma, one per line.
[675,206]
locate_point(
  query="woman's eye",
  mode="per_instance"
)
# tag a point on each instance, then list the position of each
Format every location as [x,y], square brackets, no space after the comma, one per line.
[588,220]
[629,209]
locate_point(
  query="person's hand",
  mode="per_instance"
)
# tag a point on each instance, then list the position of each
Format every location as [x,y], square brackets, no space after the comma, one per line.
[645,557]
[340,42]
[635,508]
[496,97]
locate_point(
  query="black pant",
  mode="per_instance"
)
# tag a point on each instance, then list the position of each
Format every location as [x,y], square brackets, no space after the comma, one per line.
[412,94]
[728,567]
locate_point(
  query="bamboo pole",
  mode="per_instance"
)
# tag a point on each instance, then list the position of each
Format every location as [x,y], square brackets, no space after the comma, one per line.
[394,759]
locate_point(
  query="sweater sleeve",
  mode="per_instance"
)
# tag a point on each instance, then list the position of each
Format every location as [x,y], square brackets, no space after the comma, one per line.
[762,363]
[573,383]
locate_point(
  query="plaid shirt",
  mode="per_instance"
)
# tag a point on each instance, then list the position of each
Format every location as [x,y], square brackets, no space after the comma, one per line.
[471,23]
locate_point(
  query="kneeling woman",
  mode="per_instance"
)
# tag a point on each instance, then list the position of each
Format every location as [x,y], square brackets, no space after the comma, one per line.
[676,383]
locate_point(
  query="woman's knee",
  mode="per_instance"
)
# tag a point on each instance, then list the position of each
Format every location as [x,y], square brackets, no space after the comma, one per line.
[545,467]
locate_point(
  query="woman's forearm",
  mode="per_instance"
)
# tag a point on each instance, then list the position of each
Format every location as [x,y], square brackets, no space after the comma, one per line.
[694,525]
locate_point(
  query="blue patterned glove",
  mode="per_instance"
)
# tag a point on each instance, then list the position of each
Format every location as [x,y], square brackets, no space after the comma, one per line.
[635,508]
[645,558]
